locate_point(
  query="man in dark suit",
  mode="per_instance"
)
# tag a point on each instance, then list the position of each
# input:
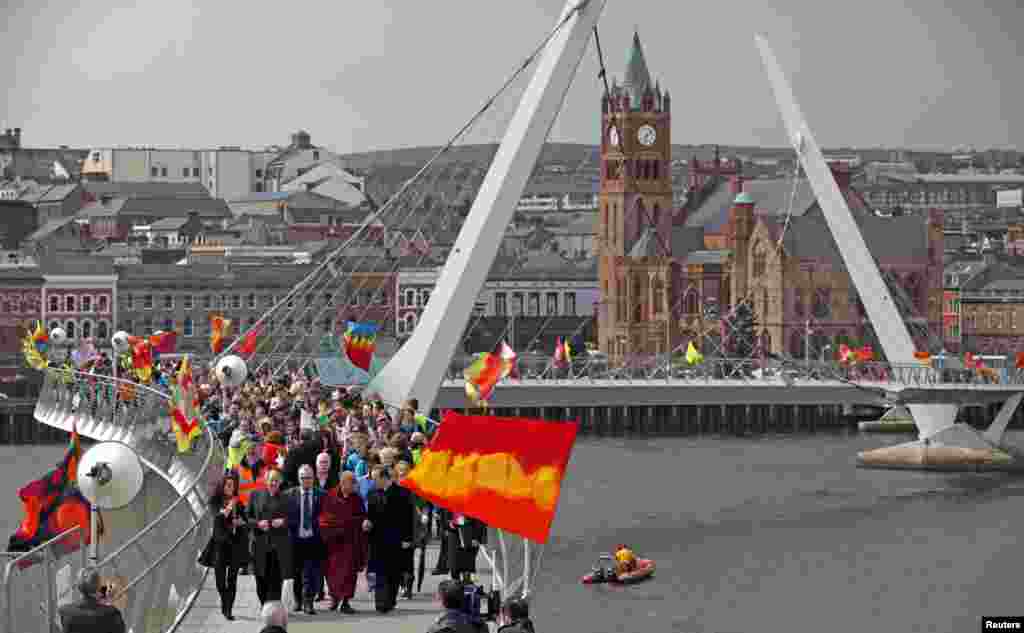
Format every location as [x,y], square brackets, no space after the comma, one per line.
[301,455]
[390,517]
[89,615]
[307,547]
[267,516]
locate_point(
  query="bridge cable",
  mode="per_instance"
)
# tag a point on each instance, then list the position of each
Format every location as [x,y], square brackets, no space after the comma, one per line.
[370,219]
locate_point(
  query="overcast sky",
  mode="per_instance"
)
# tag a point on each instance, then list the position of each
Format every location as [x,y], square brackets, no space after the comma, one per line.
[391,73]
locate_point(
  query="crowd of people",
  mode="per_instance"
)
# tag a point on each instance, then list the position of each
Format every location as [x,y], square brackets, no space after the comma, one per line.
[309,496]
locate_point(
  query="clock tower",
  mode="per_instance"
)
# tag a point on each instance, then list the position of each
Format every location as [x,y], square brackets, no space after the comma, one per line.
[635,218]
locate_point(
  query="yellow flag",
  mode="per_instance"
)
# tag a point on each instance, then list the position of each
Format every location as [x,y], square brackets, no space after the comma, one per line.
[693,357]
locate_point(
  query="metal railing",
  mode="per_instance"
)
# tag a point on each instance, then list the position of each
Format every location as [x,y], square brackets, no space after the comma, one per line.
[648,368]
[34,587]
[152,573]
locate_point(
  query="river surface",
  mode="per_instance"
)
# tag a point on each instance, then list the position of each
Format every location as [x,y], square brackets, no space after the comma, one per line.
[777,533]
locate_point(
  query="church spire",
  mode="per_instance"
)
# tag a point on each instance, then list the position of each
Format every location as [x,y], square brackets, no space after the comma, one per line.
[638,78]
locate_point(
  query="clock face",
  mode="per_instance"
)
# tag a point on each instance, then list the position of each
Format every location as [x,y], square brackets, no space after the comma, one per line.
[646,135]
[613,136]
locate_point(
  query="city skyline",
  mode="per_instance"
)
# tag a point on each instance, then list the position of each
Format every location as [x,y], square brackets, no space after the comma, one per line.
[351,85]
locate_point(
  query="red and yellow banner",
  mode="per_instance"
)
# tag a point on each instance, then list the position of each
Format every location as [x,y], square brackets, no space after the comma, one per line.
[506,472]
[220,329]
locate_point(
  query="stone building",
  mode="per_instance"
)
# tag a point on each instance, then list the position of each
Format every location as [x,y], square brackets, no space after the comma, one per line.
[668,275]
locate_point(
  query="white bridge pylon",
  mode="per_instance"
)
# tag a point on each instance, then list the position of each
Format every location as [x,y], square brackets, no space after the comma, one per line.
[418,368]
[880,307]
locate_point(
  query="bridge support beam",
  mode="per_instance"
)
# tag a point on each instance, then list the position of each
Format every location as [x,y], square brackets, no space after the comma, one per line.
[994,434]
[419,367]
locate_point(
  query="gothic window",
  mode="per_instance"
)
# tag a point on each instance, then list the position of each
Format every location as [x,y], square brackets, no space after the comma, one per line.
[822,303]
[659,296]
[764,302]
[760,260]
[691,303]
[798,302]
[796,343]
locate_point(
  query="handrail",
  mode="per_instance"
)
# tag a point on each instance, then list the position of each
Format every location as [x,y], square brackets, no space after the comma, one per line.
[35,550]
[73,383]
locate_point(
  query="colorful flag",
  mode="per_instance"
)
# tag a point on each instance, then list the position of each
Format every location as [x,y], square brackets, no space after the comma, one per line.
[846,355]
[184,406]
[251,341]
[85,353]
[361,343]
[563,353]
[486,371]
[142,359]
[34,347]
[220,329]
[506,472]
[693,357]
[865,354]
[164,342]
[924,357]
[54,505]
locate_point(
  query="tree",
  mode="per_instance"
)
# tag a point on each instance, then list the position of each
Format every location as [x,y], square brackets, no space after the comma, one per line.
[740,331]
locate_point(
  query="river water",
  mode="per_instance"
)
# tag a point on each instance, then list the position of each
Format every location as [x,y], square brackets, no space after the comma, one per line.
[771,533]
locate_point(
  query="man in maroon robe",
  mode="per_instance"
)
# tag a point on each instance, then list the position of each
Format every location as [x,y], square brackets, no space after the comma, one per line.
[341,527]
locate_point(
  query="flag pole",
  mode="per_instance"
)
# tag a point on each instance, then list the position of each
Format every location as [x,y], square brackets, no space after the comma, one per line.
[526,567]
[94,534]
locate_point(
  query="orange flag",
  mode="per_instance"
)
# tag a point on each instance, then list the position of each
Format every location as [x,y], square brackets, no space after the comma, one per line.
[506,472]
[219,330]
[251,340]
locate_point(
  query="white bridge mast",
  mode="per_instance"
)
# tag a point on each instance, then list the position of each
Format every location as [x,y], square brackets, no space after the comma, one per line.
[418,368]
[892,332]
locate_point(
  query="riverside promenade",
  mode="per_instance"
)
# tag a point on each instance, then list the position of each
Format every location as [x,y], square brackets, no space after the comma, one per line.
[411,616]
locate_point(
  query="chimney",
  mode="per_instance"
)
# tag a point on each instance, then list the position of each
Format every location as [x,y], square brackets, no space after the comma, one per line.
[841,173]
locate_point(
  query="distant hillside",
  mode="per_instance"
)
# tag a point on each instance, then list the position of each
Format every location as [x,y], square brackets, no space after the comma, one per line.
[569,154]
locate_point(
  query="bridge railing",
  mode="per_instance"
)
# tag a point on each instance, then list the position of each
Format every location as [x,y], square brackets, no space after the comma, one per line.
[152,574]
[36,581]
[648,368]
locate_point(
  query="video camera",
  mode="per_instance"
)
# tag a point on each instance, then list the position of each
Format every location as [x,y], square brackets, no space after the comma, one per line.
[475,599]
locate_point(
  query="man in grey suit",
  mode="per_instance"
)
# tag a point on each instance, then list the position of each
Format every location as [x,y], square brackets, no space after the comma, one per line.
[308,550]
[89,615]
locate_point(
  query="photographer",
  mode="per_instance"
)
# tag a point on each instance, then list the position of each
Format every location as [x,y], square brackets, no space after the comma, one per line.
[455,619]
[90,614]
[516,612]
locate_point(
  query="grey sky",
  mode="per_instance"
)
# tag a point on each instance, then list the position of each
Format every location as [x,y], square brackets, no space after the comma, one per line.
[381,74]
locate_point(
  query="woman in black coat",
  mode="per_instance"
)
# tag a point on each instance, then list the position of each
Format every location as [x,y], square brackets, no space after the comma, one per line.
[230,541]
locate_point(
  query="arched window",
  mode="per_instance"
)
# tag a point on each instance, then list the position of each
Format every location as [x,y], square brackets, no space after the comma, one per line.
[69,304]
[69,328]
[54,302]
[410,322]
[796,343]
[86,329]
[102,303]
[691,302]
[86,305]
